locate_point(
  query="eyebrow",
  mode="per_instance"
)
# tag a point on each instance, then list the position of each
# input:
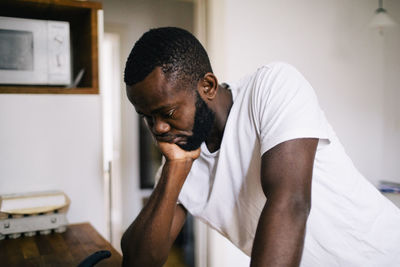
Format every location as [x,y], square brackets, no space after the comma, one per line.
[157,109]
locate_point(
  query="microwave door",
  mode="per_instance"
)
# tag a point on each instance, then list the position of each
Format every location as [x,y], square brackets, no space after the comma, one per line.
[16,50]
[23,51]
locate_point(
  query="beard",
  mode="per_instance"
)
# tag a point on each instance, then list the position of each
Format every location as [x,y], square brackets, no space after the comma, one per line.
[203,123]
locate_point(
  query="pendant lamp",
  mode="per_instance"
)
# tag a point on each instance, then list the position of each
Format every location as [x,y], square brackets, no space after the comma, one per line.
[381,19]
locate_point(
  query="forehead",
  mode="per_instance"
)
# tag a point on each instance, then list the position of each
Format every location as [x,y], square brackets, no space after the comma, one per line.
[156,92]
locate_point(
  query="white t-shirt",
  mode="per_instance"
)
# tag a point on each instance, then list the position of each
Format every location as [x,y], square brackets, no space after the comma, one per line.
[350,223]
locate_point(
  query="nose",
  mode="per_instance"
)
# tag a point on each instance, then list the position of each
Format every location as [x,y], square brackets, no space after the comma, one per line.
[160,127]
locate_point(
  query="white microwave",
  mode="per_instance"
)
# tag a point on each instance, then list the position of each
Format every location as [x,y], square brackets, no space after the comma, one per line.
[34,52]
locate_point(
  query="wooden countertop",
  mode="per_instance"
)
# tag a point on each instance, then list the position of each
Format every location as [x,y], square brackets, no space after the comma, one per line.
[66,249]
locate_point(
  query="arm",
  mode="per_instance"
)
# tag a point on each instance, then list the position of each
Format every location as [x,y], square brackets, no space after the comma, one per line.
[286,172]
[149,238]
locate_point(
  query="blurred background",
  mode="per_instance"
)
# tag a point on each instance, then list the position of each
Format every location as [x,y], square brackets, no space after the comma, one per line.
[94,148]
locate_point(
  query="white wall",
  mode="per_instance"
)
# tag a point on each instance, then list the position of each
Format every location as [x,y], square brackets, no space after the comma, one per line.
[53,142]
[391,90]
[130,19]
[354,70]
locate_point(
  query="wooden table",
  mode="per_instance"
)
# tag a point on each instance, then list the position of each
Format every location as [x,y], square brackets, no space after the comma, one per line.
[66,249]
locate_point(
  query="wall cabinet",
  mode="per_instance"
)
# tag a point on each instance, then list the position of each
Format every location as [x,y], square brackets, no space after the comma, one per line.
[83,19]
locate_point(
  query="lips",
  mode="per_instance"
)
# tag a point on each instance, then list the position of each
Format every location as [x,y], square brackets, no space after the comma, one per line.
[180,141]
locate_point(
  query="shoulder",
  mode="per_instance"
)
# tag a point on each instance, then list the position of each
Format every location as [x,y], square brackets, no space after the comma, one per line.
[276,78]
[271,78]
[277,69]
[279,78]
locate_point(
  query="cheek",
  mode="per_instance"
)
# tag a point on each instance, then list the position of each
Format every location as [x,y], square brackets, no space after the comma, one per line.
[185,119]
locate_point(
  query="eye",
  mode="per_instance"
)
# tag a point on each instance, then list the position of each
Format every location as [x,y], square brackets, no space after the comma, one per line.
[170,114]
[143,116]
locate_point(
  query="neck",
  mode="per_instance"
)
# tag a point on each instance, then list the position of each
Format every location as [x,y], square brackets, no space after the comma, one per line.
[221,107]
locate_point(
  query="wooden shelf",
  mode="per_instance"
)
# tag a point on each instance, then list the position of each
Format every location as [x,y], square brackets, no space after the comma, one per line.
[82,16]
[46,90]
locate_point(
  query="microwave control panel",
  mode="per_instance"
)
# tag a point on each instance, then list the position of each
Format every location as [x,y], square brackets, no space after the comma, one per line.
[59,63]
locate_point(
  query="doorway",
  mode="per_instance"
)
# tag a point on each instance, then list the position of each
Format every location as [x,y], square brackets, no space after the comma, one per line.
[111,103]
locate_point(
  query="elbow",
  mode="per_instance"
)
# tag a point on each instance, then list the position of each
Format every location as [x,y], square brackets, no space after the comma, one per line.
[138,254]
[124,243]
[300,208]
[126,259]
[127,241]
[142,259]
[297,207]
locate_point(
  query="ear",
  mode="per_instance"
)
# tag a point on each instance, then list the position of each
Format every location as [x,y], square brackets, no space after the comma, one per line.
[208,86]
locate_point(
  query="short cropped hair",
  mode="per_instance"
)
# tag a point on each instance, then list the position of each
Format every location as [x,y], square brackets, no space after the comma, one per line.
[179,54]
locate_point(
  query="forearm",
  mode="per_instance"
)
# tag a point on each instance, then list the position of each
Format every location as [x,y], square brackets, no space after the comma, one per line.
[148,239]
[280,235]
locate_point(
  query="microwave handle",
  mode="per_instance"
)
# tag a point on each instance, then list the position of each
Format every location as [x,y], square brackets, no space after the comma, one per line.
[77,79]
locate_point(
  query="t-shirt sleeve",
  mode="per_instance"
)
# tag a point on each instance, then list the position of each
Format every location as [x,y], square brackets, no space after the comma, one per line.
[286,107]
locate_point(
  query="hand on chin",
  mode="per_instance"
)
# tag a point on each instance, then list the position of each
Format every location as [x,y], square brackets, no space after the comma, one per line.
[174,152]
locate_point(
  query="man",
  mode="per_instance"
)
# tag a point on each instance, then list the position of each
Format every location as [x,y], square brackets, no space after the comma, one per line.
[250,160]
